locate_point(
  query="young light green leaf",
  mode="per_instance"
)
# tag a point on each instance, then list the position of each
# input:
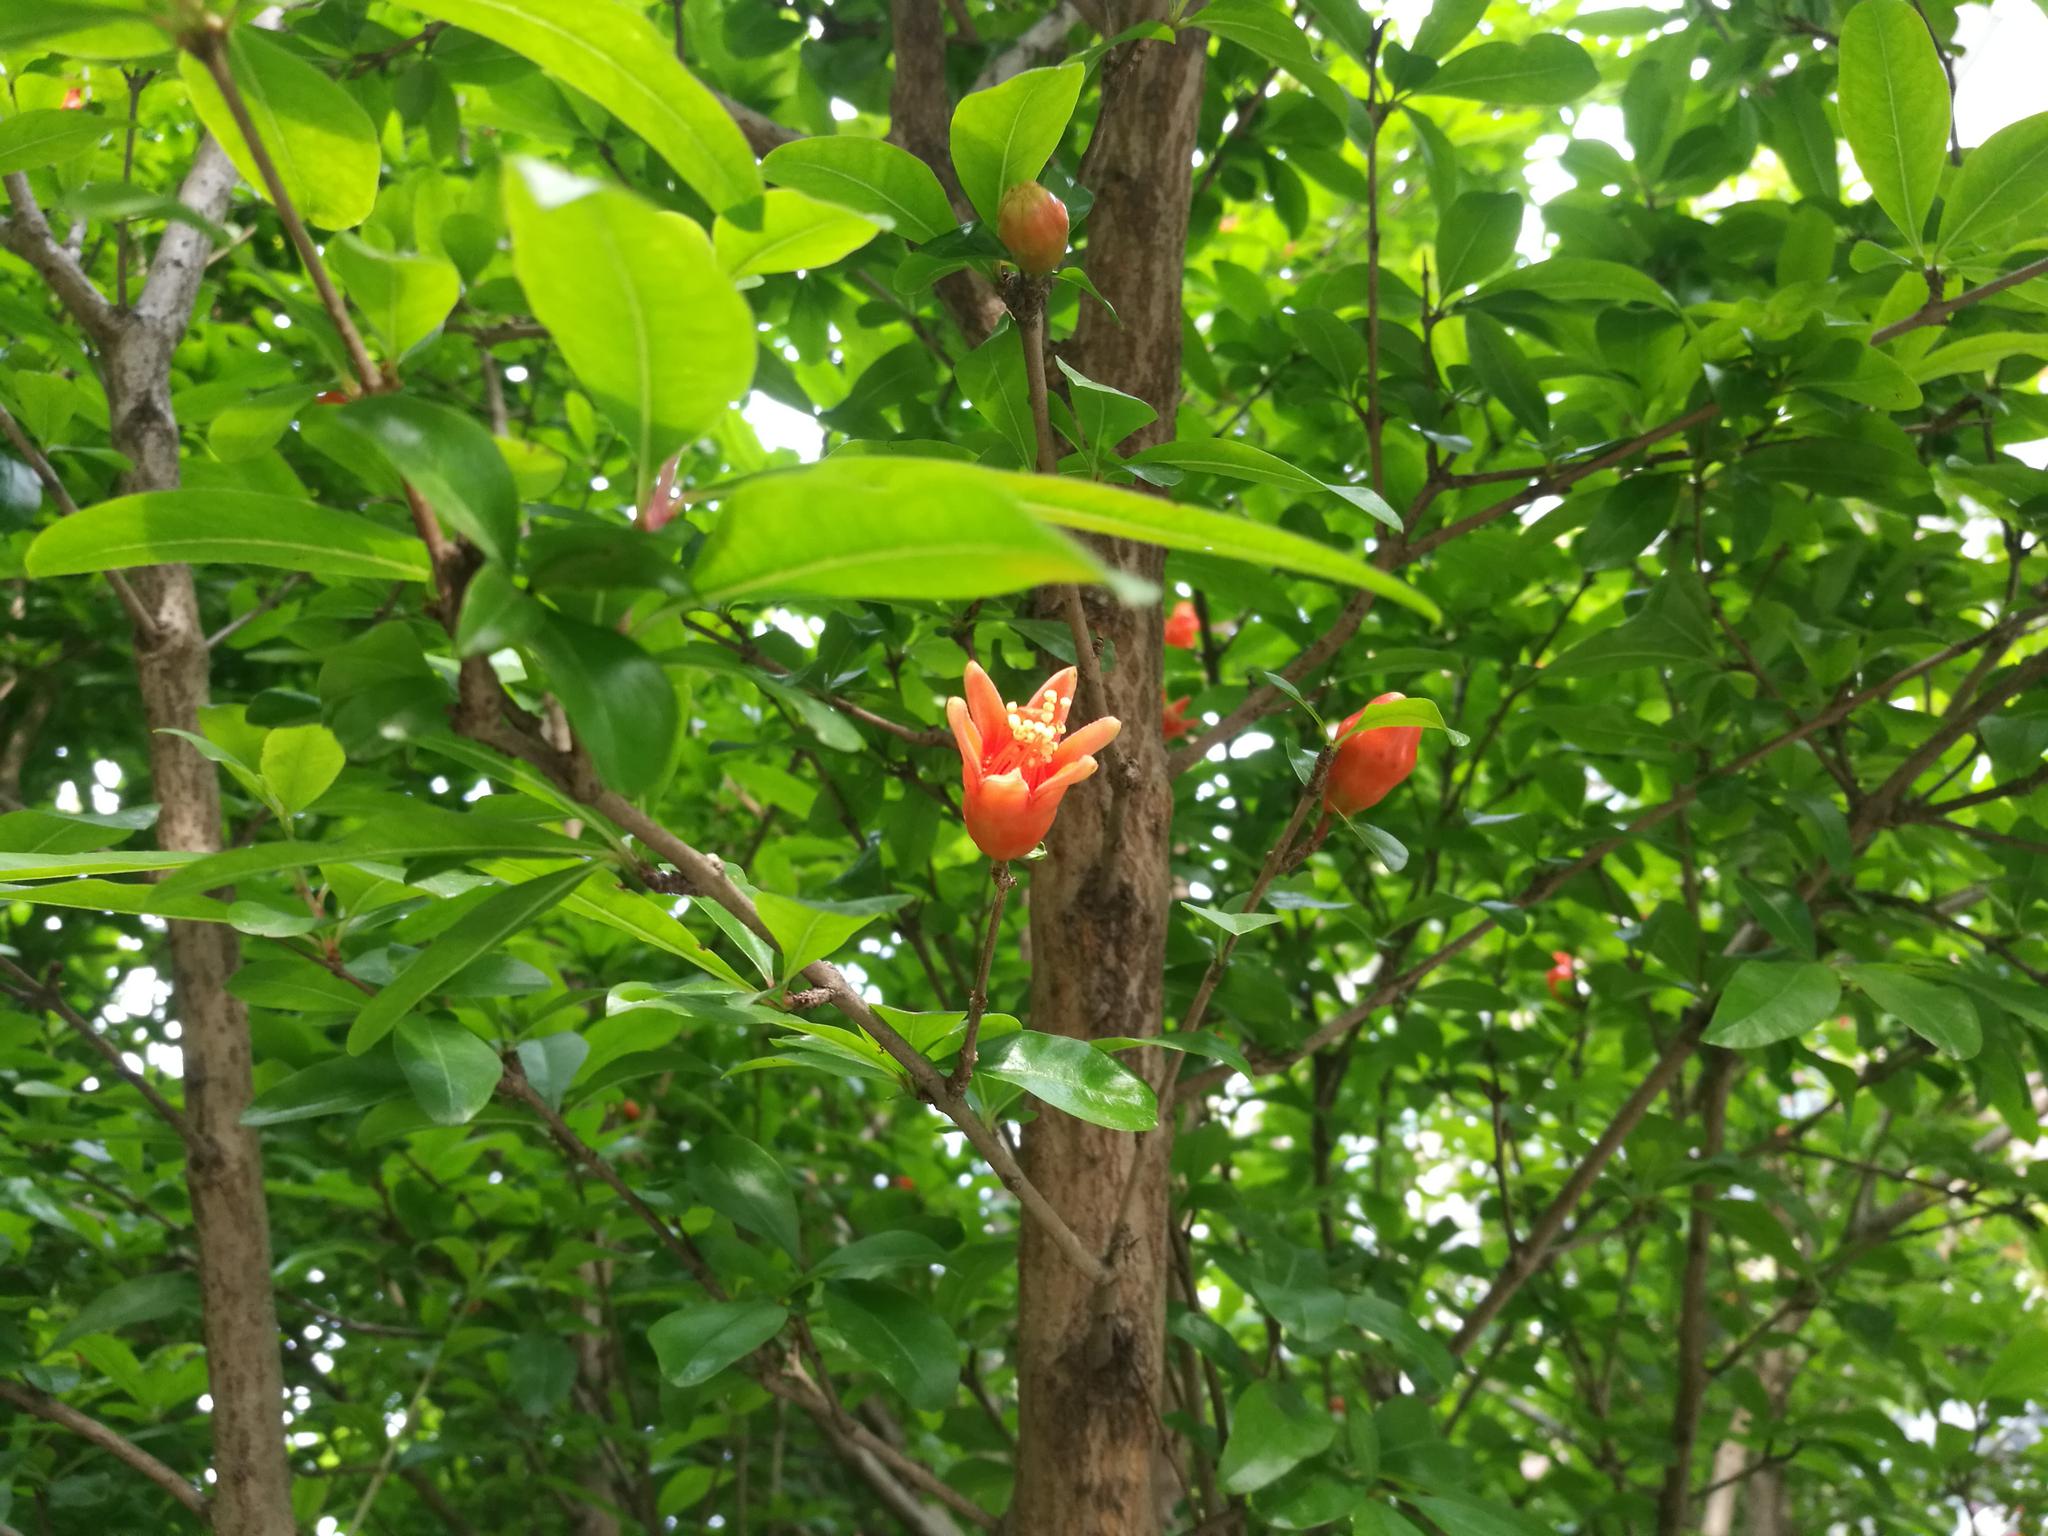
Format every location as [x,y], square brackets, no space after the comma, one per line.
[1237,924]
[900,528]
[451,460]
[31,140]
[903,1338]
[810,930]
[2021,1368]
[1072,1075]
[2001,191]
[451,1072]
[1939,1014]
[694,1344]
[1771,1000]
[1415,711]
[1475,238]
[992,377]
[870,176]
[1265,27]
[1546,71]
[1578,280]
[1273,1429]
[225,528]
[1192,1042]
[1005,134]
[320,141]
[479,931]
[1105,416]
[791,231]
[1895,108]
[614,55]
[1448,24]
[634,296]
[299,763]
[405,297]
[1235,460]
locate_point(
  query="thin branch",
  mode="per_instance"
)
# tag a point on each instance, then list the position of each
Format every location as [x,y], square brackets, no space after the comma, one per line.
[1934,314]
[268,601]
[47,996]
[977,1000]
[43,1406]
[138,615]
[28,234]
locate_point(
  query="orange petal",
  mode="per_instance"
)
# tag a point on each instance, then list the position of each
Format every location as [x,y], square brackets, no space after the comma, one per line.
[1064,778]
[1061,686]
[1092,737]
[967,737]
[986,706]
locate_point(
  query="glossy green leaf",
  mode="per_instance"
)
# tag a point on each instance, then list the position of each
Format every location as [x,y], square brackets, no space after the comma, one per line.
[871,176]
[479,931]
[869,1258]
[1579,280]
[1236,460]
[552,1062]
[1476,238]
[144,1299]
[788,231]
[451,1072]
[1005,134]
[1448,24]
[901,1337]
[300,763]
[31,140]
[694,1344]
[1272,1431]
[617,697]
[1237,924]
[337,1086]
[1505,373]
[1894,108]
[450,460]
[1771,1000]
[1546,71]
[404,297]
[1939,1014]
[744,1183]
[225,528]
[2001,192]
[1071,1075]
[320,141]
[613,54]
[992,377]
[635,298]
[900,527]
[813,930]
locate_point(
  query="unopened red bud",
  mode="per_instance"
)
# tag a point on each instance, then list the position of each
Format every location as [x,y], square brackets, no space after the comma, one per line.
[1032,223]
[332,397]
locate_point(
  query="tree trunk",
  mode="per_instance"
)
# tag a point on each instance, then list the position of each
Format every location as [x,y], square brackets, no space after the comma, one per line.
[1091,1366]
[252,1491]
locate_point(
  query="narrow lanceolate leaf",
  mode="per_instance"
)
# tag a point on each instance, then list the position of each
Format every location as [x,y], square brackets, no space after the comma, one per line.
[480,931]
[1241,461]
[898,527]
[614,55]
[1004,135]
[1767,1000]
[870,176]
[320,142]
[636,300]
[1091,507]
[225,528]
[1895,108]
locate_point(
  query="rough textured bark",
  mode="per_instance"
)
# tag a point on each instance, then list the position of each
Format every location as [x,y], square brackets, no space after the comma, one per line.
[1091,1363]
[252,1493]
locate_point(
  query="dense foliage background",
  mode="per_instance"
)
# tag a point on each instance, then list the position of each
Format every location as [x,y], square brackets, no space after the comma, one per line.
[1626,1130]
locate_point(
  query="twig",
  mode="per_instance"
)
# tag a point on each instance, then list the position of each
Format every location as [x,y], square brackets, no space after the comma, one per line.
[43,1406]
[47,996]
[268,601]
[1934,314]
[977,1000]
[138,615]
[29,236]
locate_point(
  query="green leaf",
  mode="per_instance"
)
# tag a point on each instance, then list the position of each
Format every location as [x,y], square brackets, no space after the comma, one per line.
[1578,280]
[1273,1429]
[617,697]
[1265,28]
[1422,712]
[413,834]
[1005,134]
[1546,71]
[884,1253]
[746,1185]
[404,297]
[792,231]
[478,932]
[81,29]
[320,141]
[451,1072]
[1461,1515]
[903,1338]
[450,460]
[552,1062]
[122,200]
[635,298]
[870,176]
[1448,24]
[1939,1014]
[900,528]
[1072,1075]
[1191,1042]
[1781,913]
[336,1086]
[1627,521]
[1335,345]
[141,1300]
[694,1344]
[1235,460]
[1384,1320]
[1105,416]
[299,764]
[614,55]
[992,377]
[2001,192]
[811,930]
[1475,238]
[1894,108]
[225,528]
[1771,1000]
[1505,373]
[1237,924]
[2021,1369]
[31,140]
[1977,354]
[1090,507]
[1382,1520]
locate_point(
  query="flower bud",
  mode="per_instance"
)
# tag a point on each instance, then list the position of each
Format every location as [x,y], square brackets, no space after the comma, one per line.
[1032,223]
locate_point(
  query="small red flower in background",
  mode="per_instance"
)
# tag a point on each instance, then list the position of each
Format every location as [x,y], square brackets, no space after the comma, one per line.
[74,99]
[1370,763]
[1017,760]
[1184,626]
[332,397]
[1560,973]
[904,1181]
[630,1109]
[1176,721]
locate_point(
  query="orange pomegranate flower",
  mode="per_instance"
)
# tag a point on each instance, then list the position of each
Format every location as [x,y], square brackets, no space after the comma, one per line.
[1371,763]
[1176,721]
[1184,626]
[1017,760]
[1560,972]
